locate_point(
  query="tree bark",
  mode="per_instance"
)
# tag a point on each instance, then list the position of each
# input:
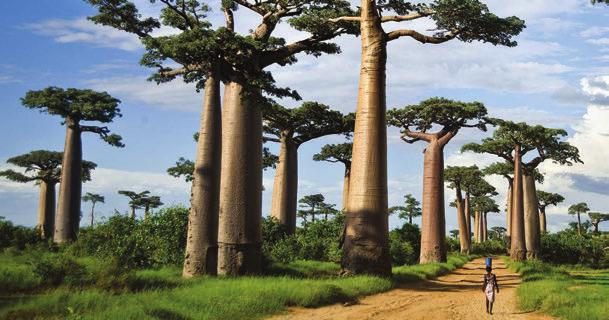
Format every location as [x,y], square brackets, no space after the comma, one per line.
[484,227]
[202,238]
[579,225]
[346,187]
[517,247]
[468,219]
[46,210]
[476,226]
[542,220]
[366,244]
[463,241]
[508,212]
[531,218]
[433,224]
[240,184]
[92,212]
[285,187]
[67,218]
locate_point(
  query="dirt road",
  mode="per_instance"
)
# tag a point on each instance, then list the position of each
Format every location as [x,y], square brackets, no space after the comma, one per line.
[457,295]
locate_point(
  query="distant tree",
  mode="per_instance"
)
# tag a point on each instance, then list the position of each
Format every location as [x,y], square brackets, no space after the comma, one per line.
[578,209]
[291,128]
[600,1]
[148,203]
[454,233]
[460,179]
[74,106]
[498,232]
[44,168]
[312,204]
[546,199]
[410,210]
[414,122]
[135,201]
[338,153]
[93,198]
[596,218]
[482,205]
[328,210]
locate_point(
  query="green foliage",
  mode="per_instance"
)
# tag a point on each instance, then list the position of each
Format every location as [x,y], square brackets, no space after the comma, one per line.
[183,167]
[45,166]
[93,197]
[548,199]
[461,177]
[567,247]
[60,269]
[17,236]
[562,291]
[336,153]
[405,244]
[489,247]
[484,204]
[410,210]
[156,241]
[578,208]
[309,121]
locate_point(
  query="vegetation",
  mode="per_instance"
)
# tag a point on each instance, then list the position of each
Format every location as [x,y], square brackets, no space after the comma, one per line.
[338,153]
[410,210]
[579,209]
[93,198]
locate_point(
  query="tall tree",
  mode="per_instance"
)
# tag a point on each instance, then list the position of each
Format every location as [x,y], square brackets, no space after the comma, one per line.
[478,188]
[74,106]
[135,199]
[482,206]
[291,128]
[93,198]
[44,168]
[312,204]
[579,209]
[459,178]
[414,122]
[410,209]
[596,218]
[546,199]
[506,170]
[366,243]
[338,153]
[150,202]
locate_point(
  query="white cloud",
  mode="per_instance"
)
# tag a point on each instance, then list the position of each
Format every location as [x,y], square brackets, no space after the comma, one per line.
[594,32]
[596,86]
[175,95]
[599,41]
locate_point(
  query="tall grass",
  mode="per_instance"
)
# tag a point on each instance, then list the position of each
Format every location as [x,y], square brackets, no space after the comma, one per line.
[572,293]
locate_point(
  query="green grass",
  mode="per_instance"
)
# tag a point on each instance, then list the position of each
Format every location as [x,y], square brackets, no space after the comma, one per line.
[571,293]
[163,294]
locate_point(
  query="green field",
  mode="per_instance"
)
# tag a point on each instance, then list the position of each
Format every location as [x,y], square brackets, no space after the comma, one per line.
[163,294]
[567,292]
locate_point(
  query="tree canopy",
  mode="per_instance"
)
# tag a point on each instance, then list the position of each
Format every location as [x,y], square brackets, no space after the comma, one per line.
[309,121]
[410,209]
[548,199]
[42,165]
[335,153]
[75,105]
[93,197]
[460,177]
[484,204]
[578,208]
[416,120]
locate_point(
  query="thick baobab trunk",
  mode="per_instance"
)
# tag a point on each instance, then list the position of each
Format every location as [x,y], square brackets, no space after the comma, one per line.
[366,244]
[240,184]
[468,219]
[543,227]
[508,211]
[476,227]
[517,248]
[531,218]
[67,218]
[484,228]
[46,210]
[346,187]
[433,224]
[463,241]
[285,188]
[202,237]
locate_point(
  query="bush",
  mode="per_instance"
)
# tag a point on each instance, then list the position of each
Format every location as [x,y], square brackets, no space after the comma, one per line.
[17,236]
[157,241]
[567,247]
[405,245]
[61,269]
[489,247]
[453,244]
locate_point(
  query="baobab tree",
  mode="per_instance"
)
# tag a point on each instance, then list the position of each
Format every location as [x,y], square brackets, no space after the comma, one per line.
[414,122]
[522,138]
[546,199]
[596,218]
[207,56]
[135,199]
[93,198]
[480,189]
[506,170]
[312,204]
[148,203]
[74,106]
[291,128]
[44,168]
[338,153]
[482,205]
[366,242]
[409,210]
[459,178]
[579,209]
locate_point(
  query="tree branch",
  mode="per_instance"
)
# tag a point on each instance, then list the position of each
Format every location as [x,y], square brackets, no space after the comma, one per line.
[446,137]
[345,18]
[421,37]
[417,135]
[266,139]
[407,17]
[253,7]
[181,13]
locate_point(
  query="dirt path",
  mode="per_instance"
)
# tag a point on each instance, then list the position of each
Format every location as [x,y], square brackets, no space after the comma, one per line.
[457,295]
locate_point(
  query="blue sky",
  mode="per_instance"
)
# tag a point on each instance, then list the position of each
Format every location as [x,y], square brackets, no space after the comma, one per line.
[558,76]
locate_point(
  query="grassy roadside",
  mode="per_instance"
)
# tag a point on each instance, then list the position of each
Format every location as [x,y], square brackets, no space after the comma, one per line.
[572,293]
[309,284]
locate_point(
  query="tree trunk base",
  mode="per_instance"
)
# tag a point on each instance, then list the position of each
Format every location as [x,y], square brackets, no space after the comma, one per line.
[364,259]
[434,255]
[532,254]
[518,254]
[206,263]
[239,259]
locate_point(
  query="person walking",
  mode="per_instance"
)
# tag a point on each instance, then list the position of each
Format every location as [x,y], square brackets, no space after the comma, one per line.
[488,287]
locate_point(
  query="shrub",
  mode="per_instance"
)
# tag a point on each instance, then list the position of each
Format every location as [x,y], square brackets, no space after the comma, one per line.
[59,269]
[17,236]
[568,247]
[405,244]
[453,244]
[489,247]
